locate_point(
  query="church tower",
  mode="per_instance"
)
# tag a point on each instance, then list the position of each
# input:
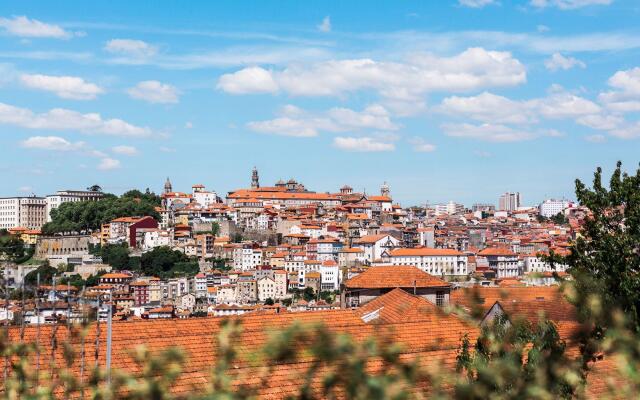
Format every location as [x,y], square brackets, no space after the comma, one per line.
[384,190]
[167,186]
[255,181]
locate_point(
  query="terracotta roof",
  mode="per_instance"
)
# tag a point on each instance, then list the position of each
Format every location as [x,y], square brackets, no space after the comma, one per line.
[370,239]
[496,251]
[394,276]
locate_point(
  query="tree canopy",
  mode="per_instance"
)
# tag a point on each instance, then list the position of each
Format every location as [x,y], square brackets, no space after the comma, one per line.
[165,263]
[90,215]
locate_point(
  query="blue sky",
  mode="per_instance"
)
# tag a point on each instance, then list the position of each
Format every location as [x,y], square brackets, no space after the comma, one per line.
[447,100]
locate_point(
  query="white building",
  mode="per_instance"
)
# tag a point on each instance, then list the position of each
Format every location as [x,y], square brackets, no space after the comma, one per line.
[534,263]
[451,208]
[437,262]
[551,207]
[246,258]
[501,260]
[203,197]
[374,245]
[69,196]
[28,212]
[266,289]
[329,276]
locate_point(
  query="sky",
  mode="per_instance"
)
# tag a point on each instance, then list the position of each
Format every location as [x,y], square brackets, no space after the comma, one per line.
[444,100]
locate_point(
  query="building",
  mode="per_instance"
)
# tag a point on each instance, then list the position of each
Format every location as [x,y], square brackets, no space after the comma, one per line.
[28,212]
[509,201]
[329,276]
[374,245]
[266,289]
[551,207]
[438,262]
[451,208]
[125,229]
[501,261]
[54,201]
[376,281]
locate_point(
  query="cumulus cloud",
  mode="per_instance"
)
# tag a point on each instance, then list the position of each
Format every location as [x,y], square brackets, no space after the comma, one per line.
[32,28]
[53,143]
[476,3]
[64,119]
[325,25]
[67,87]
[154,92]
[601,121]
[107,164]
[421,146]
[125,150]
[473,69]
[569,4]
[488,107]
[248,80]
[294,121]
[626,94]
[131,48]
[362,144]
[558,61]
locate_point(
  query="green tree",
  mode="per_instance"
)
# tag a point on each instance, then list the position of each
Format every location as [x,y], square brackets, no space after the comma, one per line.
[215,228]
[116,255]
[559,219]
[164,262]
[269,302]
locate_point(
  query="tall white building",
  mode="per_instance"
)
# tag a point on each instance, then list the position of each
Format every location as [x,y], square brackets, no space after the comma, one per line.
[551,207]
[28,212]
[509,201]
[69,196]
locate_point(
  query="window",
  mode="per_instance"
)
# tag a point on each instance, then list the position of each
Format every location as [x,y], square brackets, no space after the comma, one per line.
[440,299]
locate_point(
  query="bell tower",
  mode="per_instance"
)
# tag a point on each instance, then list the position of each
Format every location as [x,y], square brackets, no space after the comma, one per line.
[255,180]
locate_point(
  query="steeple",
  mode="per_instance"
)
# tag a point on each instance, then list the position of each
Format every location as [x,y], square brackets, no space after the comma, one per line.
[384,190]
[255,181]
[167,186]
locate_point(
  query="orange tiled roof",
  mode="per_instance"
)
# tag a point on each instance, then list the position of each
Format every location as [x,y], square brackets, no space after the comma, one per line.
[394,276]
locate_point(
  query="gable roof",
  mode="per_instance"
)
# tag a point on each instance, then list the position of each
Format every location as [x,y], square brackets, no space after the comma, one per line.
[402,276]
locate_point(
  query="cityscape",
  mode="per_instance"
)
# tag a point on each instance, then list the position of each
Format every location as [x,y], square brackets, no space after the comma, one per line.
[283,200]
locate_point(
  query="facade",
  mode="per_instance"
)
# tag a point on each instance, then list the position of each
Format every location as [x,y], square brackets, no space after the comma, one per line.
[502,261]
[125,229]
[451,208]
[551,207]
[509,201]
[54,201]
[28,212]
[438,262]
[374,245]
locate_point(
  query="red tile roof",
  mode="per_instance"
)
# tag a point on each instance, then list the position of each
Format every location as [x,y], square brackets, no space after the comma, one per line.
[393,277]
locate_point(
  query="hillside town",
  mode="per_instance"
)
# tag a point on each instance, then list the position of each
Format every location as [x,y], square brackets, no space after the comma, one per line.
[262,248]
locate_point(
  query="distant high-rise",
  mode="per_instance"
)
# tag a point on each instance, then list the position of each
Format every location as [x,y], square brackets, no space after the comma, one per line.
[509,201]
[255,180]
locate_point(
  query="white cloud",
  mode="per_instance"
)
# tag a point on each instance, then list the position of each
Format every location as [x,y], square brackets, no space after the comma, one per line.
[52,143]
[325,25]
[188,125]
[421,146]
[628,131]
[601,122]
[125,150]
[131,48]
[107,164]
[67,87]
[488,107]
[626,94]
[165,149]
[362,144]
[491,108]
[473,69]
[294,121]
[64,119]
[595,138]
[488,132]
[248,80]
[558,61]
[154,92]
[569,4]
[476,3]
[32,28]
[542,28]
[25,189]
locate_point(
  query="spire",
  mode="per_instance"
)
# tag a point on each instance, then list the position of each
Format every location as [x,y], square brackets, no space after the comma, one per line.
[167,186]
[384,190]
[255,181]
